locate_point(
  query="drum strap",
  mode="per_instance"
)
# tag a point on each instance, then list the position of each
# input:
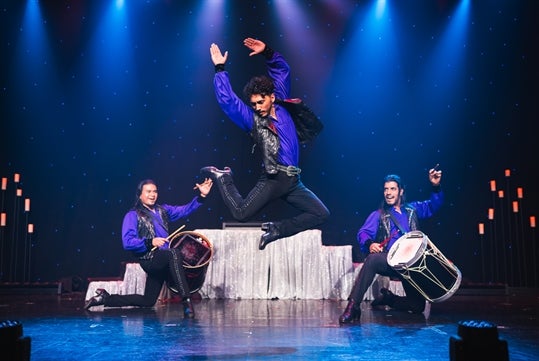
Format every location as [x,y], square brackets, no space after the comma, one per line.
[397,223]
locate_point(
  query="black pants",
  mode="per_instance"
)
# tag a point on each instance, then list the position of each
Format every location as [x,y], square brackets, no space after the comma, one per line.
[270,187]
[163,265]
[376,263]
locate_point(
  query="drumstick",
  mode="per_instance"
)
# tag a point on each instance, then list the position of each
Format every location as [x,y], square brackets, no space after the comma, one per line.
[170,235]
[436,167]
[175,232]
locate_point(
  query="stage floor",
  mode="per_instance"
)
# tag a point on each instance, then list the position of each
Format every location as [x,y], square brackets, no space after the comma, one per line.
[60,329]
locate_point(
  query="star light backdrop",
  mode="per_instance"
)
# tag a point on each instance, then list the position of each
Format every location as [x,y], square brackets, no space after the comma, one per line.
[97,95]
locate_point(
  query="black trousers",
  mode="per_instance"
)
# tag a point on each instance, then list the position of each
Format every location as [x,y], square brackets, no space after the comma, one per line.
[163,265]
[376,263]
[270,187]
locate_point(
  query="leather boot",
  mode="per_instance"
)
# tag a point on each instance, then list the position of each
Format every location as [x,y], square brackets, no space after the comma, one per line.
[386,299]
[215,173]
[188,309]
[271,235]
[351,313]
[98,300]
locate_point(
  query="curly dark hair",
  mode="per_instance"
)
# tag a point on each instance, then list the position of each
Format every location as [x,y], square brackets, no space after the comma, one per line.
[262,85]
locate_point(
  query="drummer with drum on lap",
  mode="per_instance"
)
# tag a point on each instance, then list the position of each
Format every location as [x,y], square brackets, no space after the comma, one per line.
[382,228]
[145,233]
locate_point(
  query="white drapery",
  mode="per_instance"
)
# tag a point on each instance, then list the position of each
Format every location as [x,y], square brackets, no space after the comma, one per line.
[297,267]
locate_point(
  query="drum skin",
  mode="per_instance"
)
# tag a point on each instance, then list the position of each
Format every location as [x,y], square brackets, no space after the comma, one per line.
[407,250]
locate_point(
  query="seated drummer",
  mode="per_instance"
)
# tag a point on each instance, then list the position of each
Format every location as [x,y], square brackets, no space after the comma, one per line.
[144,232]
[382,228]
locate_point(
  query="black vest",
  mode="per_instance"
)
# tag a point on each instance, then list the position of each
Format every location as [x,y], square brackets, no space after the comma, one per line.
[145,227]
[384,223]
[268,141]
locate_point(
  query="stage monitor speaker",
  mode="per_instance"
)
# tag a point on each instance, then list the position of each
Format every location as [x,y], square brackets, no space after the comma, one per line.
[477,340]
[13,346]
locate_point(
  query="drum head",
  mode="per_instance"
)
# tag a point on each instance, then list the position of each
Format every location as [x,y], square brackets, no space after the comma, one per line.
[195,248]
[407,249]
[197,252]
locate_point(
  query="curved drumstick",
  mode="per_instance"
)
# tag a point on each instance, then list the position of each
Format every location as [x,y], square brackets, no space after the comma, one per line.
[170,235]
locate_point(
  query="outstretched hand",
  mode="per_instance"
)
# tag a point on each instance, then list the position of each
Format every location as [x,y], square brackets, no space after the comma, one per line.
[257,46]
[204,187]
[216,56]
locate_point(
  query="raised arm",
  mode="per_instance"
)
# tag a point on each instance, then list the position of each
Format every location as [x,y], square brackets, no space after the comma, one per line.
[278,68]
[257,46]
[217,57]
[230,103]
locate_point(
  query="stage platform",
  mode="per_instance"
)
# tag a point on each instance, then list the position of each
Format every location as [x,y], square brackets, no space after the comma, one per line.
[297,267]
[282,303]
[224,329]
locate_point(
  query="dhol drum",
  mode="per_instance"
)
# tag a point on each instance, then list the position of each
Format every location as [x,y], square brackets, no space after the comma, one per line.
[197,252]
[420,263]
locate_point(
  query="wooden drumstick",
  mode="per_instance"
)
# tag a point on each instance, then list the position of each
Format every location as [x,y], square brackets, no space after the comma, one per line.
[175,232]
[170,235]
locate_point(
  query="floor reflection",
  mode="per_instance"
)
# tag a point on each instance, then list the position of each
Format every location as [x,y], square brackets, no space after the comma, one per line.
[60,329]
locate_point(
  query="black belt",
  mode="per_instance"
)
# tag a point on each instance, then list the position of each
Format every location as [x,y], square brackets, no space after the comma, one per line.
[289,170]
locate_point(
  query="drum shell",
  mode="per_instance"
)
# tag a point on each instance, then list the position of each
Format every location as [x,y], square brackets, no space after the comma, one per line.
[427,268]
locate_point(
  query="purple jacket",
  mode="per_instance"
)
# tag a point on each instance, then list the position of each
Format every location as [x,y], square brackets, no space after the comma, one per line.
[132,240]
[418,209]
[243,115]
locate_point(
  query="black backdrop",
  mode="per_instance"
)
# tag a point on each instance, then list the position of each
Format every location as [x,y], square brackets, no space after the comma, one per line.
[96,98]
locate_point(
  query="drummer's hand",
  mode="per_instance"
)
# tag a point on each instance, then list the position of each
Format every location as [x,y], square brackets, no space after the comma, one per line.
[435,176]
[204,187]
[375,248]
[158,241]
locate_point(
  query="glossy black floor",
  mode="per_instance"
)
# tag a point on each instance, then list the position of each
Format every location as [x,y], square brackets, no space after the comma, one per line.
[60,329]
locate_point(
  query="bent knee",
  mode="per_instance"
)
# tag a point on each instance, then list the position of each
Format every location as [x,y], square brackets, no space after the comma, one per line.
[240,216]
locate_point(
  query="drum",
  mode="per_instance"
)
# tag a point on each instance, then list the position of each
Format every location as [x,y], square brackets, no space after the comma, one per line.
[420,263]
[197,252]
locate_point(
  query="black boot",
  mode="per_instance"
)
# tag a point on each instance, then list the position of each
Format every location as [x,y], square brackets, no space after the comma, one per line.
[271,235]
[215,173]
[351,313]
[386,299]
[188,310]
[99,299]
